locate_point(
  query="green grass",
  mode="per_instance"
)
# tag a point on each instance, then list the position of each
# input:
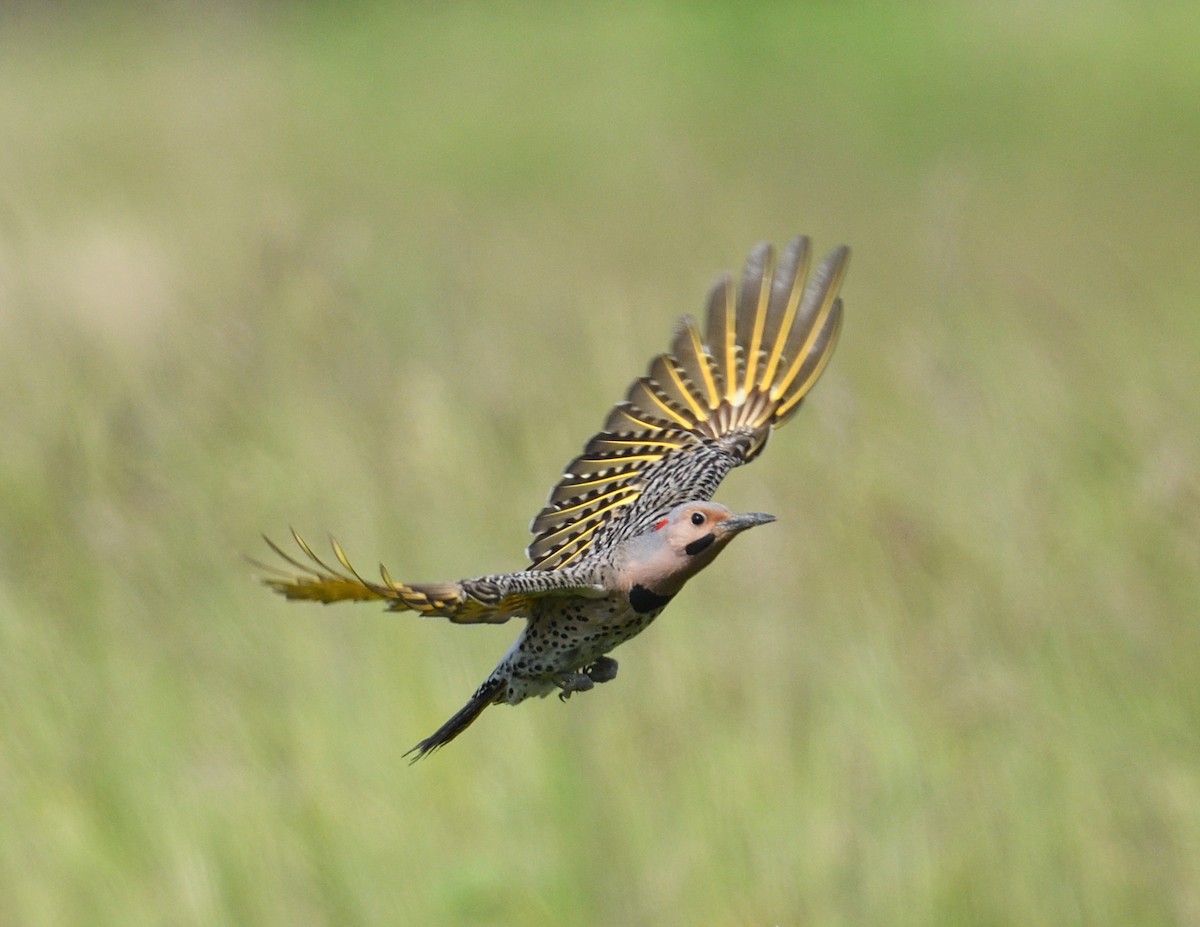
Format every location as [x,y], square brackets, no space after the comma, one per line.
[381,272]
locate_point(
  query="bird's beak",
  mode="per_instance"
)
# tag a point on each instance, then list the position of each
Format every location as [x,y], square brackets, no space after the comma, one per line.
[735,523]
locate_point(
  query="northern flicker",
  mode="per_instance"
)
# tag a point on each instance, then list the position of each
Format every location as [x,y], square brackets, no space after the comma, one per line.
[629,522]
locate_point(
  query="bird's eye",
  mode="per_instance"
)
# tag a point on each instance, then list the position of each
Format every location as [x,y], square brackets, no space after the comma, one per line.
[697,518]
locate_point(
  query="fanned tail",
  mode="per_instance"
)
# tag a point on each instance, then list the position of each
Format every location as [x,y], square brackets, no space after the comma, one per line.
[484,696]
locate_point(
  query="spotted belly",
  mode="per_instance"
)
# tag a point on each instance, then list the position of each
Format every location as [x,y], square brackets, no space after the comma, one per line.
[566,639]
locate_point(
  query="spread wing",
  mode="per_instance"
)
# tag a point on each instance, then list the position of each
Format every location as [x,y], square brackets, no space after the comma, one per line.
[703,409]
[485,600]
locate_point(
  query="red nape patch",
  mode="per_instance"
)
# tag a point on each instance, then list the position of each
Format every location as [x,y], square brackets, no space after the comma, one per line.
[659,525]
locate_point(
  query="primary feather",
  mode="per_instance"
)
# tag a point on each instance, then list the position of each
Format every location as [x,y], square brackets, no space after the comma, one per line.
[704,408]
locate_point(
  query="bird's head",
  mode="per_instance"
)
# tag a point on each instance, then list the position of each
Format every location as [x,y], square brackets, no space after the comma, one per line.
[682,543]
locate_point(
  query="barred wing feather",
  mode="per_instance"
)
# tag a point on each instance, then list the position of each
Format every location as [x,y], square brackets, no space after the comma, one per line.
[490,599]
[707,406]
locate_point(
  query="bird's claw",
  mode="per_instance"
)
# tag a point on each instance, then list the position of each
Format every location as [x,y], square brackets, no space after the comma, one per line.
[601,670]
[571,683]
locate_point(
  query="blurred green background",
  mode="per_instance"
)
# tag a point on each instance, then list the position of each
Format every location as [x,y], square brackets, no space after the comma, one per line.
[380,271]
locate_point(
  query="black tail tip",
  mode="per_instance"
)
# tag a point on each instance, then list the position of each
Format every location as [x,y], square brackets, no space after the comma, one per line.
[485,695]
[423,749]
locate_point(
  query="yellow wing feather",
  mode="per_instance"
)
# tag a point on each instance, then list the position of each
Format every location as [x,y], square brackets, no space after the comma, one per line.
[317,581]
[765,346]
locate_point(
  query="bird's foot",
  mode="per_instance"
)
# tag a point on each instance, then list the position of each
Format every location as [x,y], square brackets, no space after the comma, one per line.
[571,683]
[603,670]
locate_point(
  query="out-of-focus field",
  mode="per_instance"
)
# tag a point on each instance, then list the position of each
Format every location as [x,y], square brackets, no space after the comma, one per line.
[381,272]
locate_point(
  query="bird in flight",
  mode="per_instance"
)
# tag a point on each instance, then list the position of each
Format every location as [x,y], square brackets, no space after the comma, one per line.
[630,521]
